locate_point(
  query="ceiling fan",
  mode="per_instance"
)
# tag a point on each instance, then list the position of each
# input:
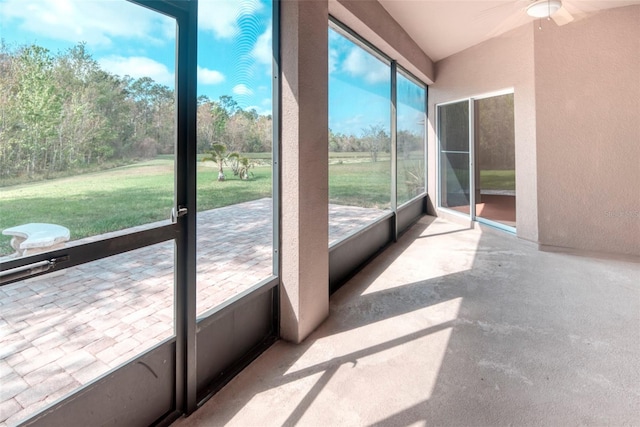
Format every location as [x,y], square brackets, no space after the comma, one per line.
[519,12]
[550,9]
[509,14]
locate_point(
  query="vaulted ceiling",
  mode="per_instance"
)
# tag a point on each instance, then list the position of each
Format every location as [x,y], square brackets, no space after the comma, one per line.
[444,27]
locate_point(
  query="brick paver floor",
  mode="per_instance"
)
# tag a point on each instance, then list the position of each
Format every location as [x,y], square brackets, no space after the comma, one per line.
[59,332]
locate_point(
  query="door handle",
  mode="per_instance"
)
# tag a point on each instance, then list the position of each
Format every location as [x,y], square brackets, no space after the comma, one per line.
[177,213]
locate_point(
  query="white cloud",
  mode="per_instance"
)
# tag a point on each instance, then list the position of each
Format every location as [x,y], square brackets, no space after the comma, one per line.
[265,108]
[262,51]
[334,36]
[221,16]
[333,60]
[349,125]
[169,29]
[413,121]
[242,89]
[355,120]
[138,66]
[259,110]
[209,77]
[358,63]
[93,22]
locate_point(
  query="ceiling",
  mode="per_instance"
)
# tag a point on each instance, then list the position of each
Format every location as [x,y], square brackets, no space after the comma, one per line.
[444,27]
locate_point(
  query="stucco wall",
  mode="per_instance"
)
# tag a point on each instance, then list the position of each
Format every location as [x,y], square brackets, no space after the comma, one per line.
[304,272]
[588,132]
[498,64]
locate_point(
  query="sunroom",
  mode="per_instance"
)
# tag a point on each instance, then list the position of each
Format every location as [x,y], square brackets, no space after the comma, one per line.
[224,167]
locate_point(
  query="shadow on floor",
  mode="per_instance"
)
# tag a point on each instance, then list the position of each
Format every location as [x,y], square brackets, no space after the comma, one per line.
[461,328]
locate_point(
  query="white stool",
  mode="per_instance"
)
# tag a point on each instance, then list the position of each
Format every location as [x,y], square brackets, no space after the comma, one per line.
[33,238]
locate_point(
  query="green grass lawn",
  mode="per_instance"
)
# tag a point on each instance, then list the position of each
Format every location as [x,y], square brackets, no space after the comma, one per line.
[498,179]
[489,179]
[355,157]
[366,184]
[136,194]
[123,197]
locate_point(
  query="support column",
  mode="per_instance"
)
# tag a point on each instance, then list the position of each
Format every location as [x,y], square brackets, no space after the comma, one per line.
[304,300]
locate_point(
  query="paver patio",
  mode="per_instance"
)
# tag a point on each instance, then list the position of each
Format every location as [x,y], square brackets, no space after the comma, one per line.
[59,332]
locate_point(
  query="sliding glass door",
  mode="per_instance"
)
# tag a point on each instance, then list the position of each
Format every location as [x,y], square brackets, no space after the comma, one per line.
[495,160]
[477,159]
[455,154]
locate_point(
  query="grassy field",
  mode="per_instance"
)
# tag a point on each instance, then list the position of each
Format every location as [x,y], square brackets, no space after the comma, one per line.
[123,197]
[363,184]
[356,157]
[136,194]
[498,179]
[489,179]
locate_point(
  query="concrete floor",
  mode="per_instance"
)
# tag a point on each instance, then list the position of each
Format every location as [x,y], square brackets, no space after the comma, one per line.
[452,326]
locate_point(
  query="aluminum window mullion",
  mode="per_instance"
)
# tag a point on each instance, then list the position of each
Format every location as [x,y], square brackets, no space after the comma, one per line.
[394,147]
[426,142]
[275,164]
[438,158]
[186,159]
[472,163]
[276,140]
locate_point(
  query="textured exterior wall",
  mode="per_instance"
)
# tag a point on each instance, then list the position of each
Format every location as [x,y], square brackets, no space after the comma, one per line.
[588,132]
[501,63]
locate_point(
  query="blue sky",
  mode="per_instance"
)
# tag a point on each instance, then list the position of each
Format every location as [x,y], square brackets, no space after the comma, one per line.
[360,91]
[234,41]
[234,51]
[359,88]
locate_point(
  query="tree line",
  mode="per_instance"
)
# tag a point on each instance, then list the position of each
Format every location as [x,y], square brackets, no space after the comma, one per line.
[223,122]
[63,112]
[60,112]
[374,140]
